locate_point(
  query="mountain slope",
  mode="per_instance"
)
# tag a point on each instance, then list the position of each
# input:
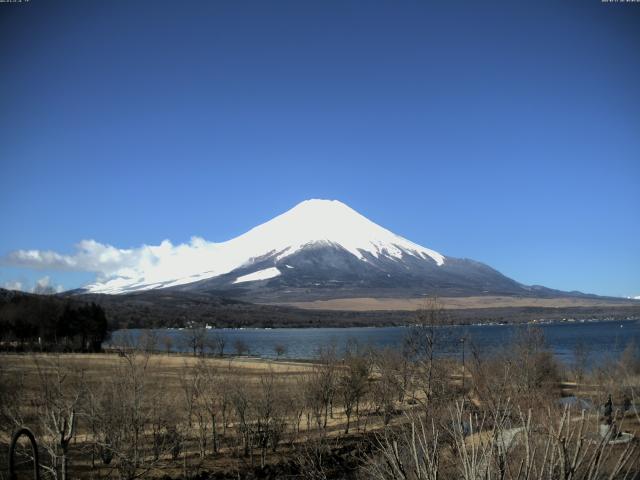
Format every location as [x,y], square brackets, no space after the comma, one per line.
[321,271]
[321,249]
[310,223]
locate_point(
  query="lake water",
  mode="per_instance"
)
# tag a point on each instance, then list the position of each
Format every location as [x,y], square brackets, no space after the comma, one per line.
[602,339]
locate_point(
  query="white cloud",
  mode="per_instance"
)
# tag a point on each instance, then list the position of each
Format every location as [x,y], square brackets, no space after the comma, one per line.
[15,285]
[147,264]
[90,256]
[43,286]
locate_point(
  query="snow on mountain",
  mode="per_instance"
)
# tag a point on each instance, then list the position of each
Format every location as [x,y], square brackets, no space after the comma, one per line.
[330,221]
[312,222]
[259,275]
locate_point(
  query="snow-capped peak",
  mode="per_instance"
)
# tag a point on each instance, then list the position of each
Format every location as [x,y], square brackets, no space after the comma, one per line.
[312,222]
[331,221]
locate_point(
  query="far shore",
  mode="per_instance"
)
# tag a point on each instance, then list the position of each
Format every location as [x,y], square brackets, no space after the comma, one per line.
[364,304]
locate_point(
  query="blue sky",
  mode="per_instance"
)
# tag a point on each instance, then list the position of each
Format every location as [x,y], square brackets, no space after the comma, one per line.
[506,132]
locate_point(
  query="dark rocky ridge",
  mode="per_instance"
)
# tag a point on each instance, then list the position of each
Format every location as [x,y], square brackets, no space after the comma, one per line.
[323,272]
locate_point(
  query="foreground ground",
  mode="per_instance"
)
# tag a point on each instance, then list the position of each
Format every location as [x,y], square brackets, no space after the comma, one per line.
[145,415]
[170,377]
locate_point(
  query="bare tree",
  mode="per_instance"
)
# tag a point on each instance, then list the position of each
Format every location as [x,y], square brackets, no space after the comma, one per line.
[312,458]
[580,360]
[189,385]
[167,342]
[148,341]
[630,358]
[324,378]
[241,347]
[538,373]
[13,403]
[240,399]
[413,453]
[352,386]
[215,343]
[425,341]
[213,398]
[503,444]
[194,339]
[58,404]
[524,371]
[220,344]
[196,403]
[315,398]
[299,405]
[385,389]
[125,415]
[621,378]
[279,350]
[270,406]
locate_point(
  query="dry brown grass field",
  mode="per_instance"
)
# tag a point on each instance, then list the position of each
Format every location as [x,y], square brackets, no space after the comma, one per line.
[168,376]
[150,415]
[393,304]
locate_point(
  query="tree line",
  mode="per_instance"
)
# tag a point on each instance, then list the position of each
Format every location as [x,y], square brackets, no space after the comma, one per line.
[51,323]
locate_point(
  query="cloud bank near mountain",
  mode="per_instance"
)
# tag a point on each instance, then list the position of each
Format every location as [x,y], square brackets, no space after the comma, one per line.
[42,286]
[107,261]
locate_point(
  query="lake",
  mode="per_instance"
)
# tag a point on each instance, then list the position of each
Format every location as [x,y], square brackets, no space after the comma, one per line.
[602,339]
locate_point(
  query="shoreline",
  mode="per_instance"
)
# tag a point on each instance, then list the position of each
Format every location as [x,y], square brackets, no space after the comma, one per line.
[570,321]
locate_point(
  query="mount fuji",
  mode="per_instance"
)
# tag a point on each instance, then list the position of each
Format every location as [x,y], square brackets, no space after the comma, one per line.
[320,249]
